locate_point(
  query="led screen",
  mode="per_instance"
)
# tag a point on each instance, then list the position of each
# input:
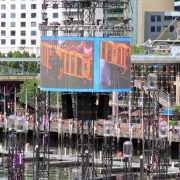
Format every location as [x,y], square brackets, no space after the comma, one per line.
[67,64]
[85,64]
[114,65]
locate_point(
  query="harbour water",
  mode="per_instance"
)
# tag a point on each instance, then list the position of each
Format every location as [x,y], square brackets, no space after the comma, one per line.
[67,148]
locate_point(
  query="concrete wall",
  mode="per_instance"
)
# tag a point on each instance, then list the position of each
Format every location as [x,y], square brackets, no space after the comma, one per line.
[150,5]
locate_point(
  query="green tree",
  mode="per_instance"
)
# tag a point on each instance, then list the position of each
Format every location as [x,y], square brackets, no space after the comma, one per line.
[17,54]
[33,55]
[30,86]
[161,53]
[13,64]
[25,54]
[176,113]
[10,54]
[53,99]
[137,50]
[32,67]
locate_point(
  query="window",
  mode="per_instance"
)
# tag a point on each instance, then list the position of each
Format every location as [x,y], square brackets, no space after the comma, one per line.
[13,15]
[152,18]
[44,33]
[158,18]
[55,33]
[23,6]
[152,28]
[13,41]
[3,6]
[158,29]
[23,15]
[13,33]
[23,33]
[33,6]
[3,15]
[3,41]
[23,41]
[177,8]
[23,24]
[33,24]
[13,6]
[3,24]
[33,42]
[13,24]
[167,18]
[3,33]
[33,15]
[55,15]
[33,33]
[171,29]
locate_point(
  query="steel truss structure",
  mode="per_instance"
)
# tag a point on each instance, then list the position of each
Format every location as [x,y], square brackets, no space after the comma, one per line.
[41,135]
[155,148]
[127,165]
[15,159]
[85,22]
[86,149]
[55,4]
[107,157]
[76,28]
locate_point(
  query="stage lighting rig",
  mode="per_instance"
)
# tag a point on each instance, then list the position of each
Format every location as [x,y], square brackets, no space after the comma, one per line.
[154,134]
[86,14]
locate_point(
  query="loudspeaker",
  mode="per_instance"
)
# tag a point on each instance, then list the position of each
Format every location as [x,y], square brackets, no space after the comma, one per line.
[67,111]
[86,106]
[103,106]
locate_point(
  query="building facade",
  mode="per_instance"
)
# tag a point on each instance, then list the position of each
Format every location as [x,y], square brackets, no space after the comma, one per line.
[138,16]
[20,19]
[158,26]
[19,25]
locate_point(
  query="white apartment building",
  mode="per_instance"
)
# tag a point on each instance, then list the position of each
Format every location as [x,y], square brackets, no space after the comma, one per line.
[19,24]
[20,19]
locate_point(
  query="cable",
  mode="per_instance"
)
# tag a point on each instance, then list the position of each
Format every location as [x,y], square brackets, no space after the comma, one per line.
[167,27]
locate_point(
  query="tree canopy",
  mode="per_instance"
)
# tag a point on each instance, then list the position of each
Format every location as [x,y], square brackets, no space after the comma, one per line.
[176,113]
[32,67]
[137,50]
[29,87]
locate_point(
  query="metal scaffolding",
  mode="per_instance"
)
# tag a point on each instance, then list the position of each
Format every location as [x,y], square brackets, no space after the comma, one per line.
[107,157]
[86,153]
[15,158]
[41,135]
[85,24]
[156,149]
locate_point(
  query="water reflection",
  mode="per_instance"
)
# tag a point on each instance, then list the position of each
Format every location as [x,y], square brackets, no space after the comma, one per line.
[68,146]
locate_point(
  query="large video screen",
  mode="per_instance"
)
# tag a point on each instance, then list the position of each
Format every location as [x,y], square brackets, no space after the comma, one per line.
[85,64]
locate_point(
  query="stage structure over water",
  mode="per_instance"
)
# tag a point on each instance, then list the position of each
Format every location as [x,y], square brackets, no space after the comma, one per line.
[85,64]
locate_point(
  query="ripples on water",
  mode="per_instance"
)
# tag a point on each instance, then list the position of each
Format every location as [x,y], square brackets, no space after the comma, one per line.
[56,173]
[59,173]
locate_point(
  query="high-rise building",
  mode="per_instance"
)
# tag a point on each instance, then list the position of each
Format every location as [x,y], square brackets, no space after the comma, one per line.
[19,24]
[20,19]
[141,18]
